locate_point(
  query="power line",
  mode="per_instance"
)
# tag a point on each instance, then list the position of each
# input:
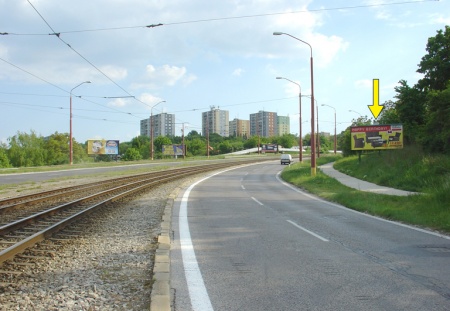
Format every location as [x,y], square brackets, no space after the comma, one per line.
[79,54]
[223,18]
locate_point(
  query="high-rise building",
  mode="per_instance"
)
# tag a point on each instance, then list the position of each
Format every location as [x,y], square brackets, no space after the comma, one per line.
[284,126]
[215,121]
[240,128]
[163,125]
[264,123]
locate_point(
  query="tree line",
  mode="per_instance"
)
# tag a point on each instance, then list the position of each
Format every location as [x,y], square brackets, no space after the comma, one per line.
[30,149]
[423,109]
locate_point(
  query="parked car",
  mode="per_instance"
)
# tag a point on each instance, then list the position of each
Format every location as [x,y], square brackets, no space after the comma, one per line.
[286,159]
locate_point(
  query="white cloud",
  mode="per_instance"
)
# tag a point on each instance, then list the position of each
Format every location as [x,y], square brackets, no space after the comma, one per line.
[166,75]
[114,72]
[440,19]
[119,102]
[238,72]
[363,84]
[150,100]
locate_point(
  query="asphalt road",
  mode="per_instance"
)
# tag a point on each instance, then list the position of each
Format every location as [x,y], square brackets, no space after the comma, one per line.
[243,240]
[17,178]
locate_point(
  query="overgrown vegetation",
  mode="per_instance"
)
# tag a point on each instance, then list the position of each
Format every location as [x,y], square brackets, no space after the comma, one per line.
[431,209]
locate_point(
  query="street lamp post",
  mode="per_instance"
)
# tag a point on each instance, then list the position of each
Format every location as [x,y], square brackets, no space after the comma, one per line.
[318,133]
[151,128]
[335,142]
[313,148]
[70,138]
[300,140]
[356,112]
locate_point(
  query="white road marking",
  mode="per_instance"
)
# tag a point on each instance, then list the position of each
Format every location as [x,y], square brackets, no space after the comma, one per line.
[359,213]
[307,231]
[254,199]
[197,290]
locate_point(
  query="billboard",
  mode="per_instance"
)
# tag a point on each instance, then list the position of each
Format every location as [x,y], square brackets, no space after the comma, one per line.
[103,146]
[269,148]
[173,150]
[377,137]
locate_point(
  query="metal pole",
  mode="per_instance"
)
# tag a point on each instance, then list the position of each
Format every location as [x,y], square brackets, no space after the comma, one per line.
[313,149]
[184,147]
[335,137]
[318,135]
[300,140]
[70,134]
[151,128]
[151,134]
[335,142]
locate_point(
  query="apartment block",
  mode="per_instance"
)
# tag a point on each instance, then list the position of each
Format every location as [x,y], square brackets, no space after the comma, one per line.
[264,123]
[240,128]
[215,121]
[284,125]
[163,125]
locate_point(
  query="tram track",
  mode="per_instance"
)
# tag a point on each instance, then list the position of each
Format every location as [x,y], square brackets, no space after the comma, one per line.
[45,214]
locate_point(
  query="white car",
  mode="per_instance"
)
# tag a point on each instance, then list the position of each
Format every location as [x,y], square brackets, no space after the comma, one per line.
[286,159]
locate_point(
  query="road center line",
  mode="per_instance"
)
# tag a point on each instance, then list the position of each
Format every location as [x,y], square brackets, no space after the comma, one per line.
[257,201]
[307,231]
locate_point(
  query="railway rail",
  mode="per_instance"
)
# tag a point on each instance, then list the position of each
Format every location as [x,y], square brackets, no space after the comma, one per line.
[27,220]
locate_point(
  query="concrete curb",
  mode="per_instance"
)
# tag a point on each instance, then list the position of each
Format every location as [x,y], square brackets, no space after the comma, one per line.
[160,296]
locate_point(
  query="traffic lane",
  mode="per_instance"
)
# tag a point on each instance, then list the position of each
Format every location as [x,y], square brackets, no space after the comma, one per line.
[252,258]
[17,178]
[417,254]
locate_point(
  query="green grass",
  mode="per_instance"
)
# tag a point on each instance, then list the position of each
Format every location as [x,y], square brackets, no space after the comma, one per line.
[408,170]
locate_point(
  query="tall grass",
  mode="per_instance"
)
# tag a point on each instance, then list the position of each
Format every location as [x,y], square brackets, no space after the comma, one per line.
[408,170]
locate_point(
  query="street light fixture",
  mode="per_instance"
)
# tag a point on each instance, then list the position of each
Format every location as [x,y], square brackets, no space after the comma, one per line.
[151,128]
[300,140]
[313,148]
[335,142]
[70,138]
[356,112]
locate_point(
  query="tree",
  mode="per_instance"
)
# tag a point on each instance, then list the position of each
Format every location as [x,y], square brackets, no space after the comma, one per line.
[252,142]
[344,139]
[389,114]
[57,149]
[142,144]
[4,161]
[436,64]
[196,146]
[132,154]
[287,140]
[438,125]
[26,150]
[225,147]
[411,110]
[160,141]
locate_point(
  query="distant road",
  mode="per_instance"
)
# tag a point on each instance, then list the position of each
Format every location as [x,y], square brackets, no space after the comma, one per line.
[243,240]
[17,178]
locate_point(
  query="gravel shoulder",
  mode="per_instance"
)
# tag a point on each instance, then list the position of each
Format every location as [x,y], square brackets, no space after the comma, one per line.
[107,267]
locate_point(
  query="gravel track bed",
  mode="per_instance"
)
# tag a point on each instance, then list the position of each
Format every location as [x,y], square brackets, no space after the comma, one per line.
[107,267]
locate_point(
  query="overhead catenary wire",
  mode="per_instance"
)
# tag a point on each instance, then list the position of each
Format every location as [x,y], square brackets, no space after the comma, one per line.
[57,34]
[351,7]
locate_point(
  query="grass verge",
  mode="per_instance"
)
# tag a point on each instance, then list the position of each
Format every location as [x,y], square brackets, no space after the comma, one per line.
[430,210]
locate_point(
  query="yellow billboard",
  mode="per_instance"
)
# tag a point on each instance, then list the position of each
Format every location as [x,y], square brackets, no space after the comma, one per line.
[377,137]
[103,146]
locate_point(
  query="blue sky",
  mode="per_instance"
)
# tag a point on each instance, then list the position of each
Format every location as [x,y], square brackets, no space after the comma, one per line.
[206,53]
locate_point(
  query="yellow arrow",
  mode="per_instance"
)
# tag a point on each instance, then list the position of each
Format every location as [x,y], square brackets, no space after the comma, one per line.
[375,108]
